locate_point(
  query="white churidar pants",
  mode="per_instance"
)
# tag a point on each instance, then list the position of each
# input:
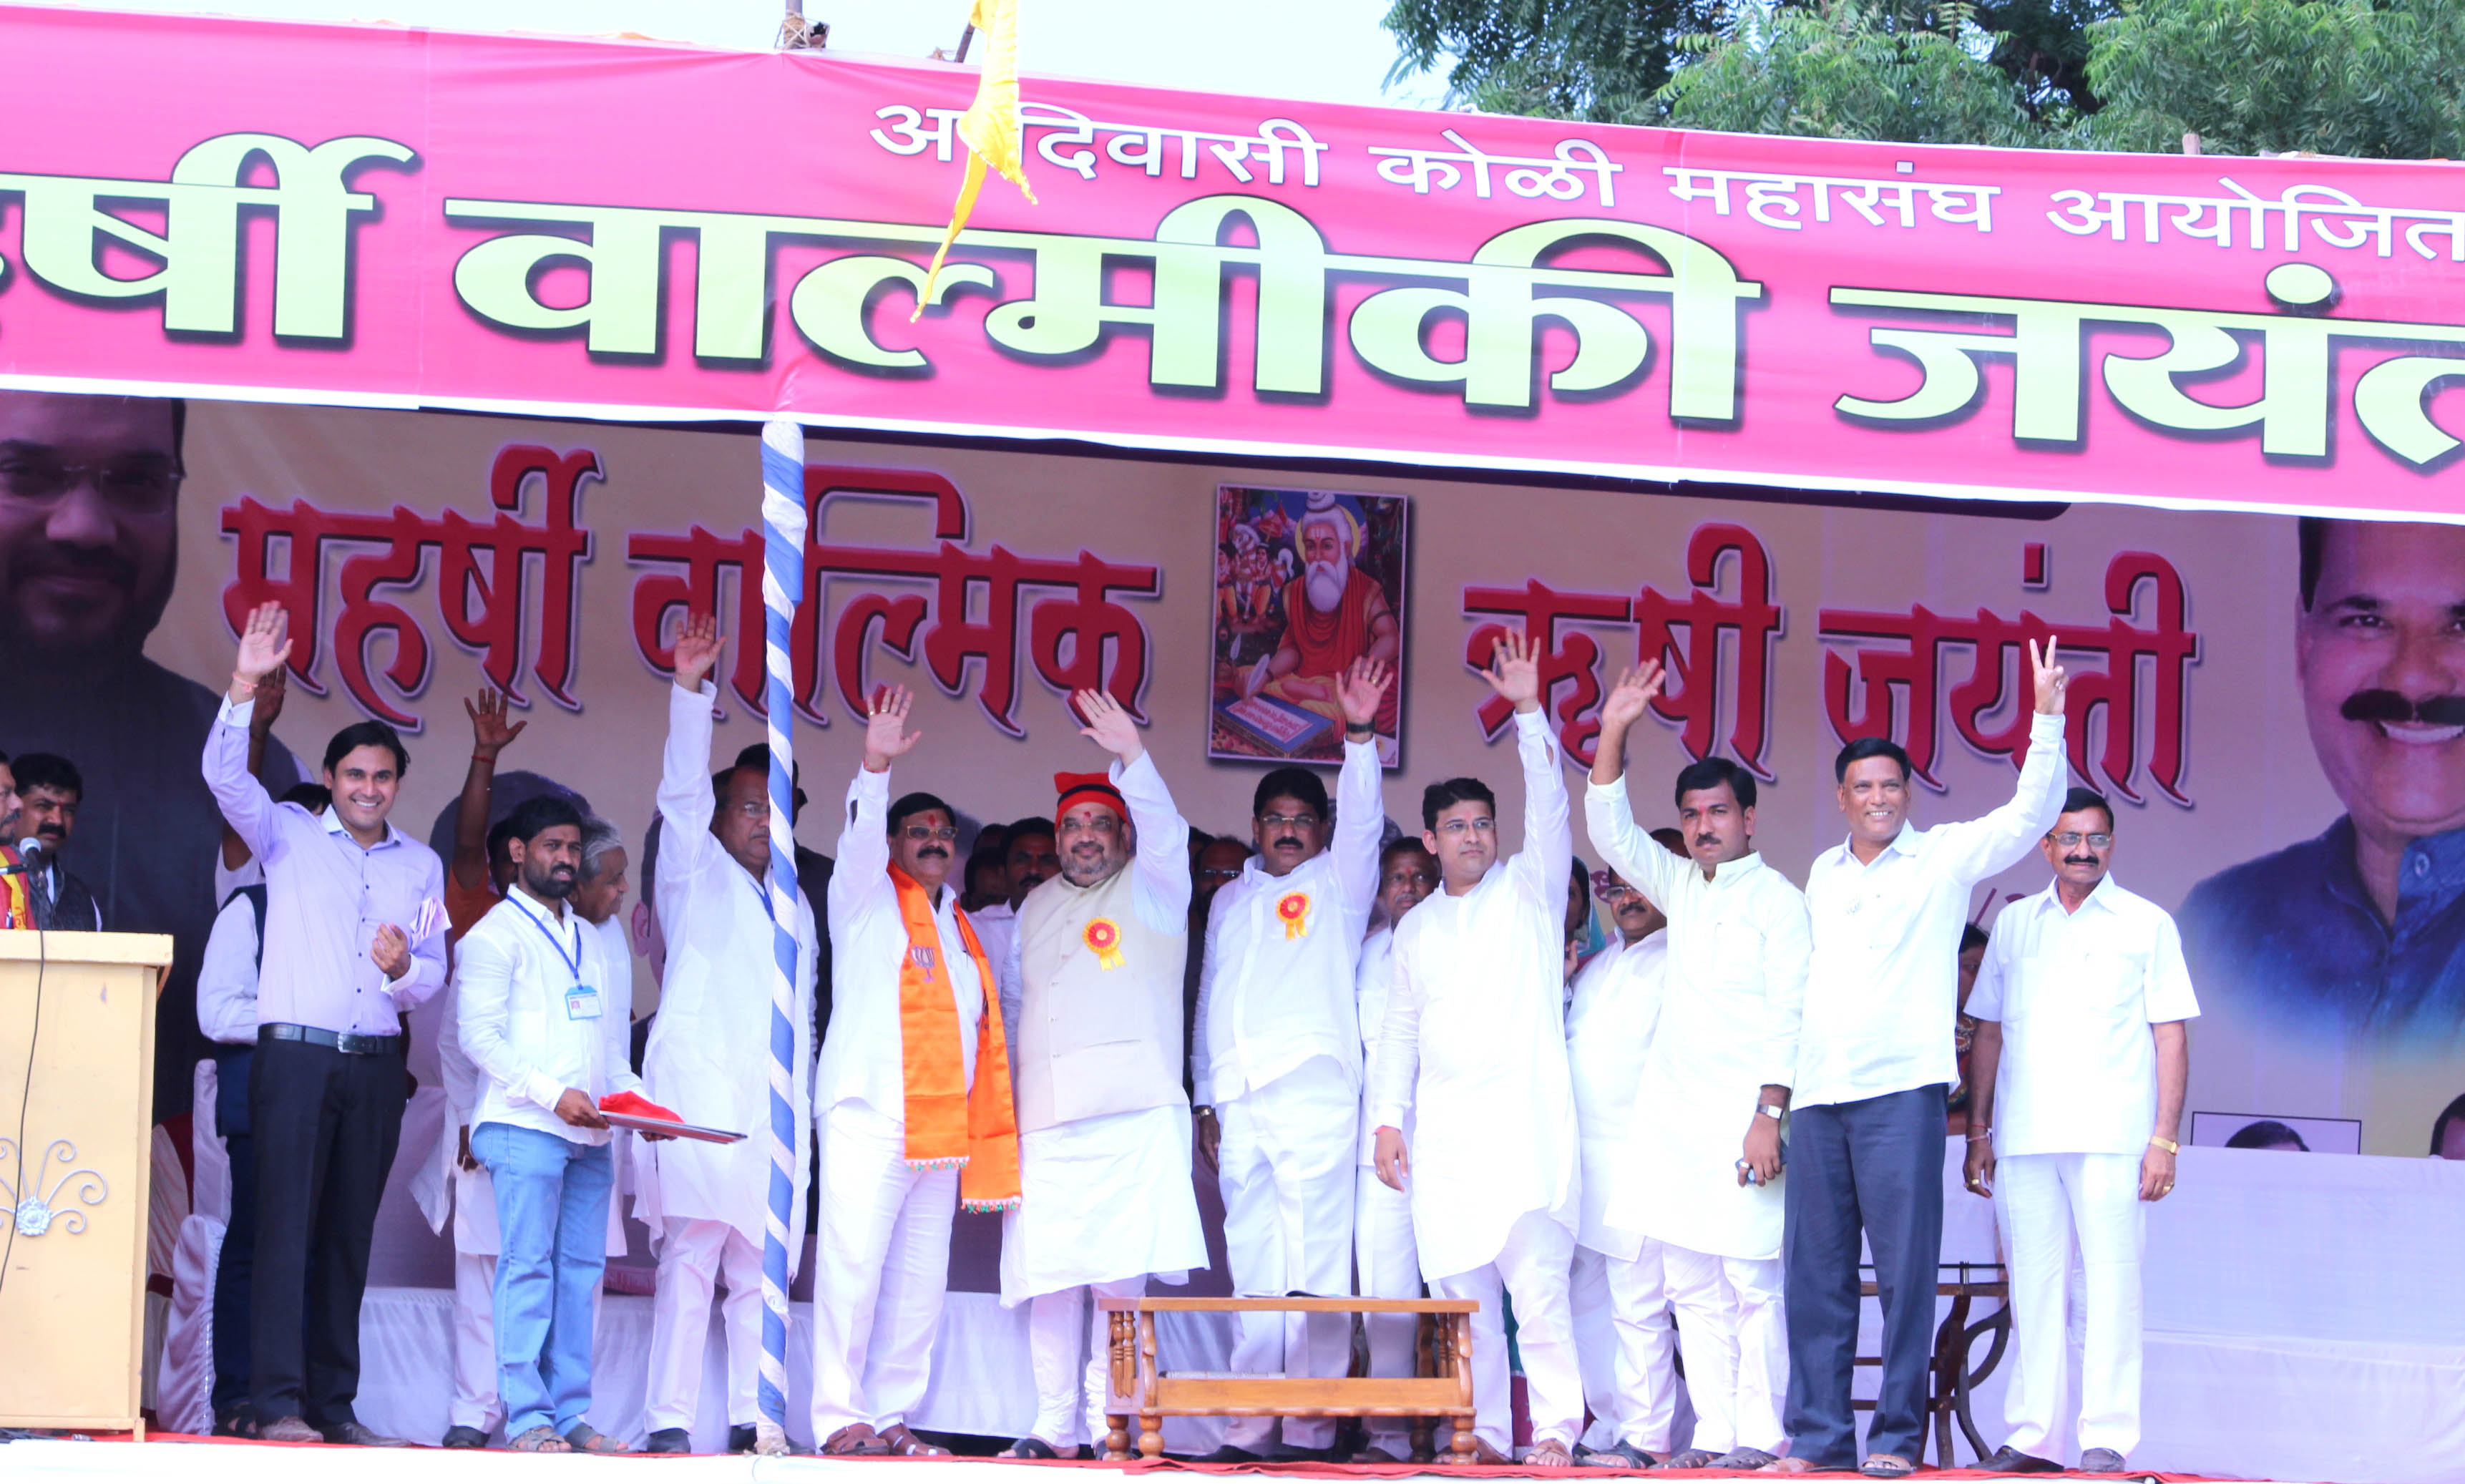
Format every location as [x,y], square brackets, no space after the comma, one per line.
[693,1254]
[1731,1330]
[1532,1265]
[1624,1343]
[474,1402]
[2053,1208]
[1285,1163]
[1389,1268]
[883,1255]
[1072,1386]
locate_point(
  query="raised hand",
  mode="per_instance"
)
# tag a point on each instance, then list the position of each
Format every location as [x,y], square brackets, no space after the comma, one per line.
[2050,678]
[264,644]
[1363,686]
[885,727]
[490,731]
[697,648]
[1109,725]
[1514,671]
[1634,694]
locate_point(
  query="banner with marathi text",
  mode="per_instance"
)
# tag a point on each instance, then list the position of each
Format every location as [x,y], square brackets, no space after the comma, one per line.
[618,229]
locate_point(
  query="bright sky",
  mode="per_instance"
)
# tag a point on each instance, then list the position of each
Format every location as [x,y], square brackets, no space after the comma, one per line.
[1327,51]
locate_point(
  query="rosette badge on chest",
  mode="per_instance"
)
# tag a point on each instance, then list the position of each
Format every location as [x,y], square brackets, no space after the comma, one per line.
[1294,909]
[1103,939]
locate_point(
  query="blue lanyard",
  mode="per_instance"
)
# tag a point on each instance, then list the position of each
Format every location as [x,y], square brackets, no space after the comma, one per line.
[572,961]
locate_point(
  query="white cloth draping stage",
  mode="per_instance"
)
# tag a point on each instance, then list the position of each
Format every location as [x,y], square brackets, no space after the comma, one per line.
[2306,1322]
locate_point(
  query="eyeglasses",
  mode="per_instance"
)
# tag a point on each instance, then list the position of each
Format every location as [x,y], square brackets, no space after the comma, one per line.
[752,809]
[1618,891]
[1288,821]
[1220,874]
[143,487]
[1462,825]
[2071,841]
[920,834]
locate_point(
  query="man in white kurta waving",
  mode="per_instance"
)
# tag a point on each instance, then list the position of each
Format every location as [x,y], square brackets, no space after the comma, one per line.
[1105,1198]
[1277,1059]
[707,1060]
[912,1102]
[1474,1047]
[1703,1150]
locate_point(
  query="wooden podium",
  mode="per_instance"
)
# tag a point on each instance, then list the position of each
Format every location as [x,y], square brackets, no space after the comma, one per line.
[76,1153]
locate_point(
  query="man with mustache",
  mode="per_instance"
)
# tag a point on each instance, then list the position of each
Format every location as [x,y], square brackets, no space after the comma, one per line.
[1335,615]
[49,789]
[1874,1064]
[1623,1337]
[539,1013]
[708,1060]
[2360,930]
[89,548]
[1105,1149]
[2076,1080]
[1275,1058]
[1703,1155]
[912,1108]
[1474,1046]
[1383,1255]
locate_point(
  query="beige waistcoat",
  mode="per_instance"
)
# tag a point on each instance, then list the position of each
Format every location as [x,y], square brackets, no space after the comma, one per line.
[1093,1040]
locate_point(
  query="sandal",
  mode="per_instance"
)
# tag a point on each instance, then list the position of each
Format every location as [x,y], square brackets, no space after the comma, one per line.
[855,1440]
[1886,1466]
[1548,1454]
[904,1444]
[1620,1454]
[588,1439]
[1743,1460]
[1694,1458]
[1791,1466]
[1036,1448]
[541,1439]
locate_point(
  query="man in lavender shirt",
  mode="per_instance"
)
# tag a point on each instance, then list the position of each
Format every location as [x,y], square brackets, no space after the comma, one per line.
[354,936]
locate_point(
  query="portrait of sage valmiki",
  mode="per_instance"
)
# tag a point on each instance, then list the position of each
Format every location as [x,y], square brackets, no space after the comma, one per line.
[1306,582]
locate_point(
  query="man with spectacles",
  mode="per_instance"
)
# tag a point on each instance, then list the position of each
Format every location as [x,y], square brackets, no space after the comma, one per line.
[2076,1092]
[1276,1057]
[88,549]
[709,1059]
[915,1048]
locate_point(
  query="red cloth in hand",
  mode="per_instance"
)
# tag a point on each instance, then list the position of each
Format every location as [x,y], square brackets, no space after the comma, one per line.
[633,1105]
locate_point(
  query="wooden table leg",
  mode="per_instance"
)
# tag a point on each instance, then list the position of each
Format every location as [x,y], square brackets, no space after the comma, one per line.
[1150,1421]
[1466,1408]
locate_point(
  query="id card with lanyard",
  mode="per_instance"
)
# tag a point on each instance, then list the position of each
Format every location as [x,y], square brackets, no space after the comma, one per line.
[581,1000]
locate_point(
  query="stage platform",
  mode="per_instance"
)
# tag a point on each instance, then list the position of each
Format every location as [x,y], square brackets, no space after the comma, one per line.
[180,1460]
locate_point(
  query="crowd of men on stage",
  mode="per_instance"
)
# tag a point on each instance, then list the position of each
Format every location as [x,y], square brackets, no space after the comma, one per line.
[1396,1068]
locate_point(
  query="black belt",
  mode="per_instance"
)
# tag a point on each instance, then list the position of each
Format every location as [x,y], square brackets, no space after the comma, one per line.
[349,1043]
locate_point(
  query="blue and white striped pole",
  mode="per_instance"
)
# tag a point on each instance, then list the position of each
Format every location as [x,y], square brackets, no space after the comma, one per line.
[783,586]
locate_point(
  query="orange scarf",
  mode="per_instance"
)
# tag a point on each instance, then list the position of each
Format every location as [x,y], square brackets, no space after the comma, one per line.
[17,901]
[974,1130]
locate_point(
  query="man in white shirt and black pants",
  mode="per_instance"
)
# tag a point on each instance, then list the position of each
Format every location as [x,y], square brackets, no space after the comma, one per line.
[539,1013]
[1276,1059]
[2075,1089]
[1875,1060]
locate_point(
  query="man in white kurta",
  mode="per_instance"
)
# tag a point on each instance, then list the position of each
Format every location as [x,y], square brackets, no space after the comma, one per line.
[2077,1078]
[1623,1336]
[1276,1059]
[883,1250]
[1105,1139]
[1704,1149]
[1474,1047]
[1384,1256]
[707,1205]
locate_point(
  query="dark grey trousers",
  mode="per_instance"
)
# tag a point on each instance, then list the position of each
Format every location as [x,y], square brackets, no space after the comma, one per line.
[1874,1166]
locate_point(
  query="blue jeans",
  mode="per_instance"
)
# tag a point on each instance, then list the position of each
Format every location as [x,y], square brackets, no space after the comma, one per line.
[552,1219]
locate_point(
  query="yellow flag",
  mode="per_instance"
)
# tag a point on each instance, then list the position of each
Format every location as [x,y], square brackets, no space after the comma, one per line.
[989,127]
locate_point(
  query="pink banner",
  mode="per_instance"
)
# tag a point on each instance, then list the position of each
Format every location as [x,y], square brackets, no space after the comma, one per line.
[400,218]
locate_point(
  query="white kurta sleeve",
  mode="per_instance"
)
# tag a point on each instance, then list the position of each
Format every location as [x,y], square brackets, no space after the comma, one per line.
[1201,1065]
[686,803]
[1994,970]
[1787,951]
[1399,1041]
[1360,820]
[1548,854]
[227,978]
[1162,886]
[1976,849]
[1629,850]
[2169,991]
[863,869]
[615,1025]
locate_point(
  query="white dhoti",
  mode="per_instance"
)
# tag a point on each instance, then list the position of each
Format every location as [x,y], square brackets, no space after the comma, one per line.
[2055,1207]
[1532,1265]
[1389,1268]
[1625,1345]
[1286,1165]
[882,1262]
[474,1401]
[1072,1385]
[692,1253]
[1731,1331]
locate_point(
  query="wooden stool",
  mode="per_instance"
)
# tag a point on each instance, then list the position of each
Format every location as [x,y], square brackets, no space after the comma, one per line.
[1135,1375]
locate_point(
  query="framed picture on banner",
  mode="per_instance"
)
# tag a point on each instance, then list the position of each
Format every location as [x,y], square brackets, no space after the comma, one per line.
[2276,1131]
[1306,582]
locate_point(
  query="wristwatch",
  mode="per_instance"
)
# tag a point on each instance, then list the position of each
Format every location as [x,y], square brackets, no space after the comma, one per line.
[1770,1112]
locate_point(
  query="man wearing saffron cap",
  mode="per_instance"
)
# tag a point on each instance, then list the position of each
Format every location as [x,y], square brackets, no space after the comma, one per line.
[1104,1133]
[1334,614]
[912,1102]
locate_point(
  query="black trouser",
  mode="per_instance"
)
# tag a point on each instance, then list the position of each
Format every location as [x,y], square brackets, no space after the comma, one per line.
[1874,1164]
[238,1261]
[326,1127]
